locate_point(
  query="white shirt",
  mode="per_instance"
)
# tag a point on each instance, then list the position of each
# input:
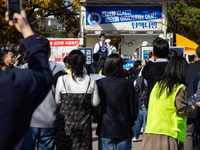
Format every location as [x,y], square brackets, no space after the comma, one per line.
[151,59]
[80,86]
[113,50]
[161,60]
[96,47]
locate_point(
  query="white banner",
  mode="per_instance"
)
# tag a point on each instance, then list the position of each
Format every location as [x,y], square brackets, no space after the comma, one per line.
[61,47]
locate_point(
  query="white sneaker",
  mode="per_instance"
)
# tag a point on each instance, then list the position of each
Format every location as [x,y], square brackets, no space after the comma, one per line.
[134,139]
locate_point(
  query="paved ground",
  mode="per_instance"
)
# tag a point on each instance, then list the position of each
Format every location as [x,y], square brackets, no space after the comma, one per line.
[135,145]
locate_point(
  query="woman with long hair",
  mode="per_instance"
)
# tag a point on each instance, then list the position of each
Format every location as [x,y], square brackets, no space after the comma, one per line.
[100,66]
[168,109]
[76,93]
[117,107]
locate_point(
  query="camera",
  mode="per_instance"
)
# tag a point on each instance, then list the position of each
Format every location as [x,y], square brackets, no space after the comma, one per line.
[13,6]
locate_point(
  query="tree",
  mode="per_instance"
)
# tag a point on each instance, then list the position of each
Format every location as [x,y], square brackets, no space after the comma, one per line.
[7,33]
[184,19]
[51,31]
[37,10]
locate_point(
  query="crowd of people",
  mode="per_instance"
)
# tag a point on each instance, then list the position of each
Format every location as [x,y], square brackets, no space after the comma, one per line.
[47,107]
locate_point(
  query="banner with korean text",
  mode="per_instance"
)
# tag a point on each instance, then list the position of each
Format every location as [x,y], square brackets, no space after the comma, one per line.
[132,18]
[61,47]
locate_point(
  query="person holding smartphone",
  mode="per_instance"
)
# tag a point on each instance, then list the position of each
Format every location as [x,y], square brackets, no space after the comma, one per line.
[22,90]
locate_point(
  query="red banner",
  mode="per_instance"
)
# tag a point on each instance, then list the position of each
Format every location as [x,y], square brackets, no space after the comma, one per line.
[64,42]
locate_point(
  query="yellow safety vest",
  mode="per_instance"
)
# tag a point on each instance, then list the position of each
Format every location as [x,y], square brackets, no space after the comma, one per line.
[100,72]
[68,71]
[162,115]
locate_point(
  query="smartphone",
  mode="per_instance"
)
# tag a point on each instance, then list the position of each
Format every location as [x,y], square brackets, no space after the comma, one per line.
[13,6]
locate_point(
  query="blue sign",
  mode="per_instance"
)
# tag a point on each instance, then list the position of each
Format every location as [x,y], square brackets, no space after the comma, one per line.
[87,51]
[128,64]
[139,16]
[146,53]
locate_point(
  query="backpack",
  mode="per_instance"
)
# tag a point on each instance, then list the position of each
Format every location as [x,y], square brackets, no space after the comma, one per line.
[144,93]
[132,77]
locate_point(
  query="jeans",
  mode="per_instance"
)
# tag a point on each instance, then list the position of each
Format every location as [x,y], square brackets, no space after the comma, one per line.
[141,121]
[45,138]
[109,144]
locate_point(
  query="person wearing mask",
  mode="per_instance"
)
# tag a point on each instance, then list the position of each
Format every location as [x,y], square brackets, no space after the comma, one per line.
[22,89]
[102,48]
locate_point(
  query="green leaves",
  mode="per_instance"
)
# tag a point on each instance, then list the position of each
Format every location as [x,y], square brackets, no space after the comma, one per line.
[184,18]
[176,8]
[191,16]
[51,31]
[64,10]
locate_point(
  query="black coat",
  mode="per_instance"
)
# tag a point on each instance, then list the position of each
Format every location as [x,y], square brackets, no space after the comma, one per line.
[91,68]
[152,72]
[117,108]
[194,68]
[22,90]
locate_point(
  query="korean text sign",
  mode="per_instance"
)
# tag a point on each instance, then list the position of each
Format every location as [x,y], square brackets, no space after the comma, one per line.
[61,47]
[87,51]
[124,18]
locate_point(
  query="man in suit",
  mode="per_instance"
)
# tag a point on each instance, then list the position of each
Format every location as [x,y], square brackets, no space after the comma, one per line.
[91,68]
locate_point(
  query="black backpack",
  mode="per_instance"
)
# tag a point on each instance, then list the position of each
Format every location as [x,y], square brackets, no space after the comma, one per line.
[144,93]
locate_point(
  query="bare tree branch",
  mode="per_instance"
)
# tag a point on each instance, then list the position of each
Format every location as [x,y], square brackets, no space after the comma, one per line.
[48,14]
[32,11]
